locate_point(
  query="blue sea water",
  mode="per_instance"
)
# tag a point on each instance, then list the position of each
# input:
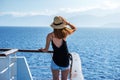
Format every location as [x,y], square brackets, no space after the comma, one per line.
[99,49]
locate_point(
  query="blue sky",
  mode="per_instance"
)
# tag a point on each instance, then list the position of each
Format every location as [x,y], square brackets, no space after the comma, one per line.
[27,8]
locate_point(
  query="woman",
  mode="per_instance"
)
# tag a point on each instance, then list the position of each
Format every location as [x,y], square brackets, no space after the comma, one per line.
[60,59]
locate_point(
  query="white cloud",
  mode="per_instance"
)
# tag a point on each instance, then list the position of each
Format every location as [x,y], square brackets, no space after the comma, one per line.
[110,4]
[23,14]
[102,4]
[81,9]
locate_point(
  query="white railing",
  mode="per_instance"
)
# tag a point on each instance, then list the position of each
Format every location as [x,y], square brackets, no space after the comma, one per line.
[13,67]
[8,65]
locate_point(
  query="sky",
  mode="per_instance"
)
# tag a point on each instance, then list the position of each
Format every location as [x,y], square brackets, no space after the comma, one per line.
[30,8]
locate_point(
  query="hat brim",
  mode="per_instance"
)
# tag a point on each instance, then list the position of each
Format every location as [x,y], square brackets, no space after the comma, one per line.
[61,26]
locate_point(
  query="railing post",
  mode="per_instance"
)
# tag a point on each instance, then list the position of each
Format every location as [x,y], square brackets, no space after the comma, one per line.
[8,64]
[9,72]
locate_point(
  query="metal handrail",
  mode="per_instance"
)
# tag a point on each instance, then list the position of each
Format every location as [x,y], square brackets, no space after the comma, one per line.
[25,50]
[8,52]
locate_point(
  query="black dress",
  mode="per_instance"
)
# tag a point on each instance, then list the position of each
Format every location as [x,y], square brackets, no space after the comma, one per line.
[61,54]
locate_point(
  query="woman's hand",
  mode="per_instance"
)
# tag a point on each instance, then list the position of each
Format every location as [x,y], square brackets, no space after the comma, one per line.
[43,50]
[64,20]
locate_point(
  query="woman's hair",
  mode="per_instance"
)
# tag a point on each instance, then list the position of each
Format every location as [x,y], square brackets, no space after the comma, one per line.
[61,33]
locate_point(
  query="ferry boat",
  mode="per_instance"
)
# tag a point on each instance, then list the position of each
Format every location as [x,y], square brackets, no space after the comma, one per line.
[13,67]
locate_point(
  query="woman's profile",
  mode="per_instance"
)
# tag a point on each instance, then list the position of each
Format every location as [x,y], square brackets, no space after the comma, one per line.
[57,38]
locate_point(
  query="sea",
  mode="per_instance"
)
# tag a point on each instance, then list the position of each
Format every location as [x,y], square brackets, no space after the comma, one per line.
[98,48]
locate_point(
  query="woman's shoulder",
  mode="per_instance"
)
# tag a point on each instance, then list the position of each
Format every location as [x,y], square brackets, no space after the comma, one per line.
[50,35]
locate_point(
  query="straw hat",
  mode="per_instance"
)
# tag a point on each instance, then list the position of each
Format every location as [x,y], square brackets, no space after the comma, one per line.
[58,23]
